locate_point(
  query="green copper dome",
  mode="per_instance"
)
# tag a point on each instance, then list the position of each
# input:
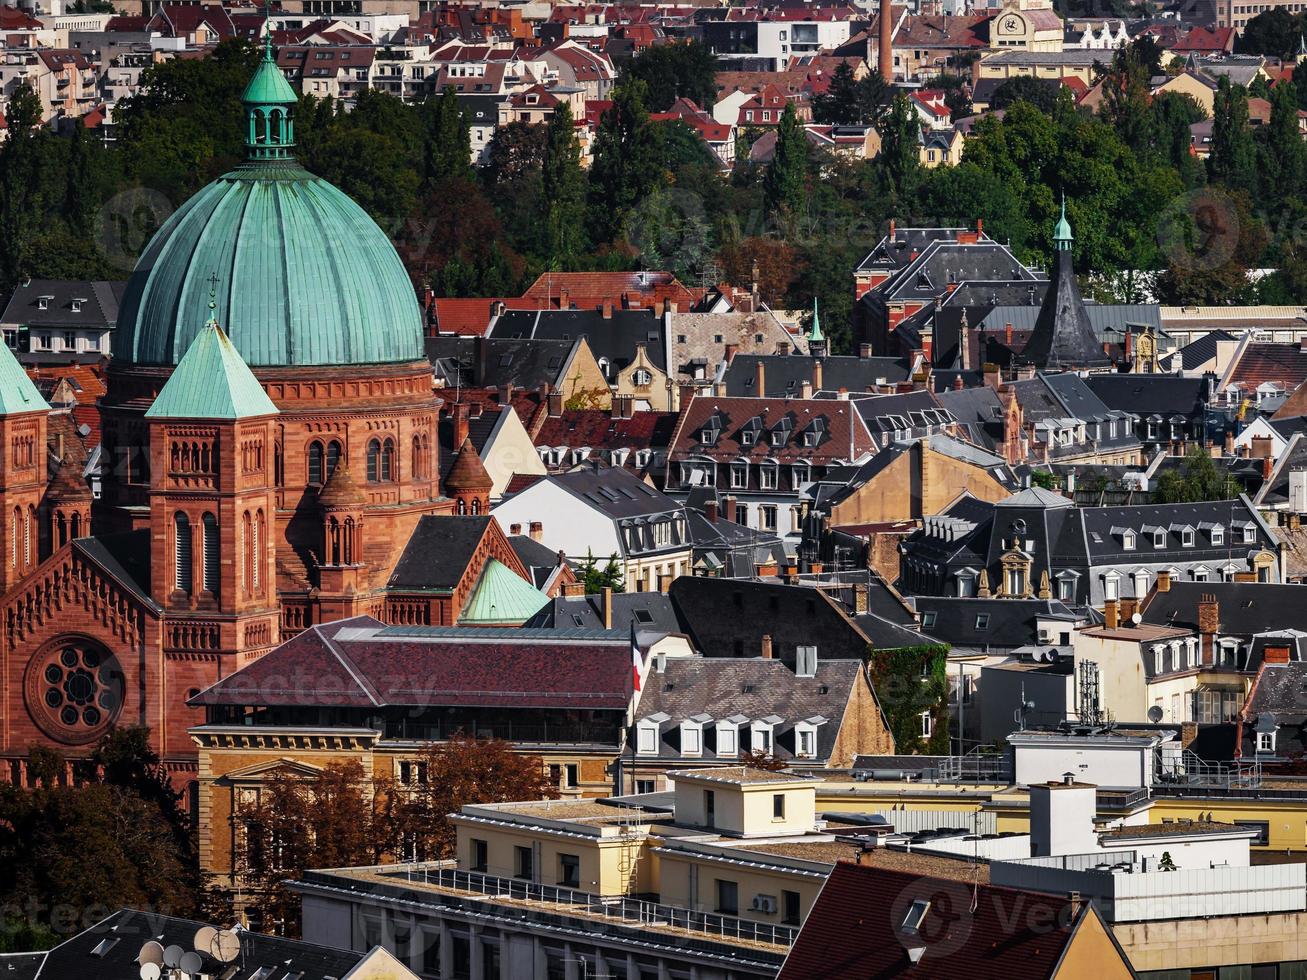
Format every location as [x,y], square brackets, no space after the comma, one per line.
[304,276]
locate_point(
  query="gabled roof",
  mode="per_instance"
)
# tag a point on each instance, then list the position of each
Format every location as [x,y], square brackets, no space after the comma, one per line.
[980,623]
[211,382]
[855,929]
[784,376]
[17,393]
[67,303]
[438,553]
[1246,608]
[362,663]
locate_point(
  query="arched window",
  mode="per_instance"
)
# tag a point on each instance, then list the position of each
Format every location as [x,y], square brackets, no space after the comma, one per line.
[77,525]
[29,536]
[181,578]
[374,460]
[315,463]
[333,541]
[347,549]
[61,530]
[461,506]
[210,569]
[417,458]
[246,552]
[15,526]
[388,460]
[256,548]
[333,457]
[476,505]
[278,465]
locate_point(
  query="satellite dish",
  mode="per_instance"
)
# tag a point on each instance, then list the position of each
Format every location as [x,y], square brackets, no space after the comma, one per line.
[192,963]
[226,946]
[204,939]
[151,952]
[1136,618]
[1155,714]
[150,971]
[172,956]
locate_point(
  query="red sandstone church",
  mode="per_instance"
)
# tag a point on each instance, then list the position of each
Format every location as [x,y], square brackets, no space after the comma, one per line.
[269,447]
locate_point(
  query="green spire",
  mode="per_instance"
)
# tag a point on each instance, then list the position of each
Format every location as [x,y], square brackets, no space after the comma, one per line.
[815,333]
[1062,230]
[17,393]
[211,381]
[269,107]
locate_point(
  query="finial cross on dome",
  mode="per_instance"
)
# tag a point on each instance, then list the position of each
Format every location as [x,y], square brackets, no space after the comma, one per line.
[213,293]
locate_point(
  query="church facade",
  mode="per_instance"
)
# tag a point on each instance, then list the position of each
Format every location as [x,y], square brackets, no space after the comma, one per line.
[269,444]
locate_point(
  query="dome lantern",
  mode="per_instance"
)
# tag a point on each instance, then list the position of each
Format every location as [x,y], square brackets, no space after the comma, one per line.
[269,109]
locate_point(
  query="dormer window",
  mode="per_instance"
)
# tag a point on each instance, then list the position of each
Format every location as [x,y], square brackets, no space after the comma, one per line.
[762,734]
[1218,535]
[805,661]
[767,476]
[778,438]
[1128,541]
[76,305]
[1159,539]
[43,302]
[810,439]
[691,738]
[646,734]
[739,476]
[1187,537]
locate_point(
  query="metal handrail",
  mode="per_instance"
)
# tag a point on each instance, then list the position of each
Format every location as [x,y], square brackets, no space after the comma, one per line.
[632,910]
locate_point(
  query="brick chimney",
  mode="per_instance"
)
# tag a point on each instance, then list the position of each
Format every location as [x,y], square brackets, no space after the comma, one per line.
[607,309]
[731,350]
[515,529]
[537,531]
[1209,624]
[573,590]
[762,379]
[864,351]
[1111,614]
[805,389]
[861,595]
[1276,655]
[564,299]
[710,511]
[729,503]
[1268,465]
[506,394]
[818,376]
[555,404]
[766,653]
[1163,581]
[606,604]
[623,406]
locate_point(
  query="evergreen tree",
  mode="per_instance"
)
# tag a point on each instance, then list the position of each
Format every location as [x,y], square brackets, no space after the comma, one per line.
[626,161]
[1282,147]
[1233,156]
[841,102]
[677,70]
[1126,100]
[564,190]
[19,202]
[80,195]
[783,181]
[900,147]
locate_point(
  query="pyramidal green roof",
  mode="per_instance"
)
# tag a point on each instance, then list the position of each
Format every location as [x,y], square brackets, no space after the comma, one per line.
[815,332]
[17,393]
[502,597]
[211,382]
[268,86]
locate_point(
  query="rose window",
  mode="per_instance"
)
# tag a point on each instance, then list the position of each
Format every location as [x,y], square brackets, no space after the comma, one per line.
[75,690]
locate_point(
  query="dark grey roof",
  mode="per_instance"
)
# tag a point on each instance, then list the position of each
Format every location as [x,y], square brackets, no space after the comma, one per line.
[1150,394]
[978,410]
[99,306]
[1281,689]
[614,492]
[109,949]
[1245,608]
[488,362]
[125,557]
[651,612]
[479,430]
[695,687]
[945,263]
[784,375]
[614,337]
[481,110]
[979,623]
[438,553]
[20,966]
[538,560]
[1063,336]
[896,252]
[1103,540]
[726,618]
[1294,457]
[1199,352]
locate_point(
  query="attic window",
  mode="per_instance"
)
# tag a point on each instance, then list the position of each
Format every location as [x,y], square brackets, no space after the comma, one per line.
[643,616]
[810,439]
[1128,541]
[916,914]
[505,360]
[1159,539]
[928,619]
[982,621]
[103,946]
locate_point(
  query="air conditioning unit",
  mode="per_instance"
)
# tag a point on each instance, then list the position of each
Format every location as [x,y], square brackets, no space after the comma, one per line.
[764,903]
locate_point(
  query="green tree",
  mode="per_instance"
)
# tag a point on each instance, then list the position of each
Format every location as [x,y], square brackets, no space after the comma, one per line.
[1197,479]
[676,70]
[1126,103]
[900,147]
[784,179]
[1274,32]
[1233,158]
[19,187]
[909,683]
[564,190]
[626,163]
[598,577]
[1280,148]
[515,153]
[841,103]
[447,141]
[1173,114]
[1039,93]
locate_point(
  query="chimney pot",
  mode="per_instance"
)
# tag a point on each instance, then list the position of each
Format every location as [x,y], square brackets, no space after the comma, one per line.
[606,598]
[762,379]
[766,646]
[710,511]
[537,531]
[864,351]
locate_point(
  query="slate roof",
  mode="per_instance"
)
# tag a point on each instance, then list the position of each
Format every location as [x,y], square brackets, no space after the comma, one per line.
[1198,352]
[784,376]
[1275,491]
[1246,608]
[614,492]
[978,412]
[854,930]
[727,618]
[438,552]
[1007,623]
[652,612]
[99,306]
[125,557]
[1063,336]
[945,263]
[1280,689]
[698,687]
[493,361]
[1150,394]
[538,560]
[906,243]
[362,663]
[614,337]
[109,950]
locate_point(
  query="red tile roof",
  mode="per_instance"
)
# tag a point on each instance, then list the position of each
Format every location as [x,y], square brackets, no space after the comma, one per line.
[843,434]
[407,668]
[471,317]
[1283,364]
[590,290]
[1202,39]
[598,429]
[976,931]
